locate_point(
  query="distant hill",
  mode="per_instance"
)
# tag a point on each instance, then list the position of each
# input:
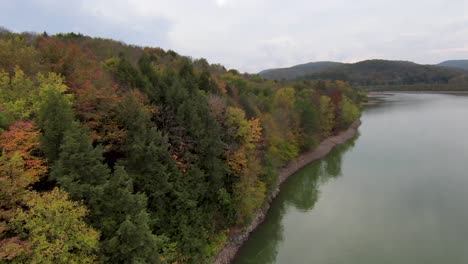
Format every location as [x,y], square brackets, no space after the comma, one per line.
[297,71]
[375,72]
[460,64]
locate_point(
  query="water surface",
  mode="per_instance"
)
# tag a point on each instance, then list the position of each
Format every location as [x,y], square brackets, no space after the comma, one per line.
[397,193]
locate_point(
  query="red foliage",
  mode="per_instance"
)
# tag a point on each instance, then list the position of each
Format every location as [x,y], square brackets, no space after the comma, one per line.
[22,138]
[96,95]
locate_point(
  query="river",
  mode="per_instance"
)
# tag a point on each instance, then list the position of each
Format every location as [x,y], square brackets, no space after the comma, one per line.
[397,193]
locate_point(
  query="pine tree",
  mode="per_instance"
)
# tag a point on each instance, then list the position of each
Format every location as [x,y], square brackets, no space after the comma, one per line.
[123,221]
[114,209]
[80,168]
[54,115]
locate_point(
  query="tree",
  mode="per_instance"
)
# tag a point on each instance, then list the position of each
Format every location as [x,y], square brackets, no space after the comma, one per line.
[148,161]
[13,193]
[55,227]
[17,94]
[115,210]
[16,52]
[350,112]
[55,113]
[20,168]
[77,153]
[248,190]
[123,221]
[327,115]
[309,119]
[22,139]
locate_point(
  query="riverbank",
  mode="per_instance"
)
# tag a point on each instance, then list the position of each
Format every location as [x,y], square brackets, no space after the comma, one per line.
[238,237]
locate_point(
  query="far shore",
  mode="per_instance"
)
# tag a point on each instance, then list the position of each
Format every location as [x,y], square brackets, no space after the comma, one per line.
[387,92]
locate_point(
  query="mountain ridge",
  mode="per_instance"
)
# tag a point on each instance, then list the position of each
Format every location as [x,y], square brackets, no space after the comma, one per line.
[370,72]
[460,64]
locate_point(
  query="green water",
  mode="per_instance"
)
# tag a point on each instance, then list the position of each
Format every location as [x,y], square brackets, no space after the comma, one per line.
[397,193]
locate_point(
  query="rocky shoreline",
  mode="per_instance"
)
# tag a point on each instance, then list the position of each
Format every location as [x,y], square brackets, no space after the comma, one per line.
[237,237]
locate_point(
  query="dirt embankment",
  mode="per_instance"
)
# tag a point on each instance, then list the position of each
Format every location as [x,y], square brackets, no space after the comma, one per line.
[238,237]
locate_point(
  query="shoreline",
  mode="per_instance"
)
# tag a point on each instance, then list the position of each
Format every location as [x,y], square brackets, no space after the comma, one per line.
[237,239]
[384,92]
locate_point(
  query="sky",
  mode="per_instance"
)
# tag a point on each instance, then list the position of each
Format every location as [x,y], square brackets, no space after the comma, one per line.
[253,35]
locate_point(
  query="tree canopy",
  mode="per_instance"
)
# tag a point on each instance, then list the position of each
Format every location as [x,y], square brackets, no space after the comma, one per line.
[145,156]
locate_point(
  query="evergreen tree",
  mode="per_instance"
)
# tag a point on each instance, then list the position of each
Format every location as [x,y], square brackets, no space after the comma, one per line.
[127,236]
[114,209]
[54,115]
[80,169]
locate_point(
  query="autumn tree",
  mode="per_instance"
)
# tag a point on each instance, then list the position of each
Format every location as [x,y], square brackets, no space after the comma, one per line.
[327,116]
[350,112]
[16,52]
[56,230]
[166,152]
[20,167]
[248,190]
[17,95]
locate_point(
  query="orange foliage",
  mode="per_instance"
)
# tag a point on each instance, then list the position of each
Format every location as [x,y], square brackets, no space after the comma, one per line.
[22,139]
[221,85]
[20,167]
[96,95]
[238,161]
[13,247]
[255,130]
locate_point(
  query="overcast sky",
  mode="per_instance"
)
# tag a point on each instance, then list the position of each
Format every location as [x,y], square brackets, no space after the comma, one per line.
[252,35]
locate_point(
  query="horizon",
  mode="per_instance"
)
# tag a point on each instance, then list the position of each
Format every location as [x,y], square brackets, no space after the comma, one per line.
[252,36]
[188,55]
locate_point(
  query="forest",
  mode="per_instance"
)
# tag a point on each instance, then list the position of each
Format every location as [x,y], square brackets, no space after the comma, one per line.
[113,153]
[380,74]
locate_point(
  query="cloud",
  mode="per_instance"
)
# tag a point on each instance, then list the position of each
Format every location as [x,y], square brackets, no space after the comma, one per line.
[252,35]
[220,2]
[450,50]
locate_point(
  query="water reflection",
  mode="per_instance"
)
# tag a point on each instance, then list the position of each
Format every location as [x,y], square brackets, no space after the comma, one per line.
[398,197]
[300,193]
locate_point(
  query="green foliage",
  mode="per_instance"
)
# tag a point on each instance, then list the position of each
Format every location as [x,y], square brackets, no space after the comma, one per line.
[327,116]
[115,210]
[17,95]
[370,72]
[54,115]
[350,112]
[297,70]
[16,52]
[77,153]
[123,221]
[248,190]
[309,119]
[166,152]
[55,227]
[125,73]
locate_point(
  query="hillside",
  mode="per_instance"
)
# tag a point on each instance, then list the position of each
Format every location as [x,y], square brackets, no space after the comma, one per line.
[460,64]
[382,72]
[113,153]
[297,70]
